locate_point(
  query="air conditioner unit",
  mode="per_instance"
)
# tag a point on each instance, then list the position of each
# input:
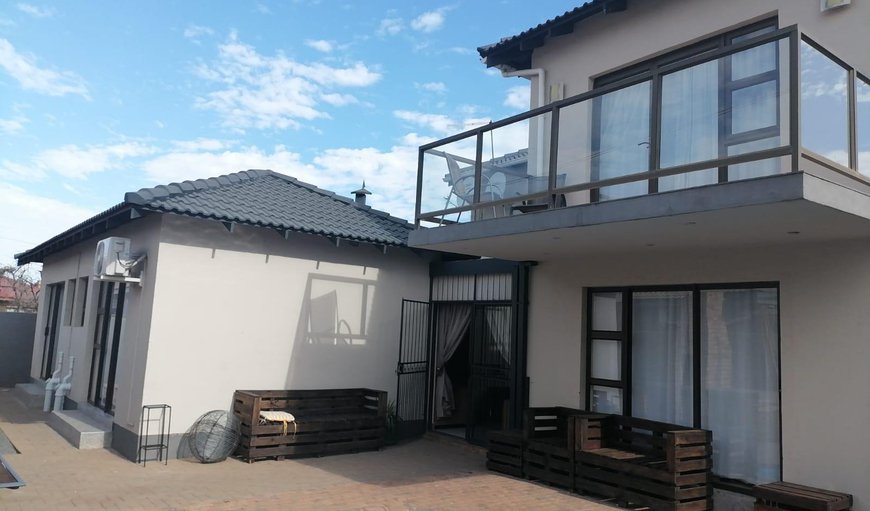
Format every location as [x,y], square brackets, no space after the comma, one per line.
[111,255]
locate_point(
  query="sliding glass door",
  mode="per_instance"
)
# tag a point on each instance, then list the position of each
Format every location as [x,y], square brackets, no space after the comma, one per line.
[701,356]
[740,381]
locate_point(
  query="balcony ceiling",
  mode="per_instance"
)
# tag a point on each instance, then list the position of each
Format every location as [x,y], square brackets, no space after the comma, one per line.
[788,209]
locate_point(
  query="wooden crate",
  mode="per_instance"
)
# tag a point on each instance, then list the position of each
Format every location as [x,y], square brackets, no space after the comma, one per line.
[327,422]
[505,452]
[796,497]
[645,463]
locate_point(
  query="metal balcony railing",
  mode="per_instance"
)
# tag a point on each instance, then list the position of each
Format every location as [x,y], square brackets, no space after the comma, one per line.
[727,114]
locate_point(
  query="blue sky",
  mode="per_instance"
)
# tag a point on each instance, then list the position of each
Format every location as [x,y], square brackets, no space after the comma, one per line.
[100,98]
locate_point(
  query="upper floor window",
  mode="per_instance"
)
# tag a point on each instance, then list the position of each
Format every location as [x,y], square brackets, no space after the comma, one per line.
[708,111]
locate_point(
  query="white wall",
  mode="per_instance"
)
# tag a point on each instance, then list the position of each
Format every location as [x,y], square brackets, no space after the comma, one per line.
[78,341]
[230,312]
[825,331]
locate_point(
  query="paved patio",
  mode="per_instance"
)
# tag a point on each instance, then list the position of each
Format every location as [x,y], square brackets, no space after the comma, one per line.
[427,474]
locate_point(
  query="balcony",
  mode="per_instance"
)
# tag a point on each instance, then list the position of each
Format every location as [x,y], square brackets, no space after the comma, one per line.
[769,119]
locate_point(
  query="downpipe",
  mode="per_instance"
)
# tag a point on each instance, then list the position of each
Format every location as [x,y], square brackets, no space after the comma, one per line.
[65,386]
[52,383]
[540,74]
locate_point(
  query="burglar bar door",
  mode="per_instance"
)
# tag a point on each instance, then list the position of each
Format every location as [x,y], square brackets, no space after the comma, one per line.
[50,335]
[107,338]
[490,381]
[413,369]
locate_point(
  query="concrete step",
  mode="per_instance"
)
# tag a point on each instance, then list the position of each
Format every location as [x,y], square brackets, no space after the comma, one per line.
[82,428]
[30,395]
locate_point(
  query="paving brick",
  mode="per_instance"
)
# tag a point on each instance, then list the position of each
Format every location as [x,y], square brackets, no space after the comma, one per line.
[425,475]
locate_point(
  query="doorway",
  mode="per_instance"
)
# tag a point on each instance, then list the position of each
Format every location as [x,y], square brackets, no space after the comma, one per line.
[472,377]
[108,332]
[52,319]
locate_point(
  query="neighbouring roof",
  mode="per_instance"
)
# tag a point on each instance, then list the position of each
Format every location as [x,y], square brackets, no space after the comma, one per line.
[515,52]
[261,198]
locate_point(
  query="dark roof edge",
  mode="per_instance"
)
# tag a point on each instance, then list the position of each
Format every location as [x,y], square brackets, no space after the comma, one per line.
[515,51]
[75,234]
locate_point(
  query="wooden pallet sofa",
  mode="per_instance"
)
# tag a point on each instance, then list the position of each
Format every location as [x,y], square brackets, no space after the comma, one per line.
[549,443]
[645,463]
[634,461]
[327,422]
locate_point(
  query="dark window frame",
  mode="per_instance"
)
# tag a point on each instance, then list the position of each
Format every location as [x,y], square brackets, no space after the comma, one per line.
[626,366]
[652,68]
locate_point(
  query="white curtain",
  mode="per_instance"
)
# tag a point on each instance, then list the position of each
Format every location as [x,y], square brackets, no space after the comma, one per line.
[451,324]
[740,382]
[690,124]
[623,139]
[498,322]
[661,351]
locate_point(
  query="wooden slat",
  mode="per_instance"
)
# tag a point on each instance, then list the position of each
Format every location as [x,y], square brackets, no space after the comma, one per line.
[802,497]
[327,421]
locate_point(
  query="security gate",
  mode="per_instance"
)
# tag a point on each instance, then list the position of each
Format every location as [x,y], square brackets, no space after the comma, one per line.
[490,361]
[412,388]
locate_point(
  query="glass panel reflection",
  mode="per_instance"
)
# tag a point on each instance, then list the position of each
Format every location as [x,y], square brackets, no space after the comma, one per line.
[824,106]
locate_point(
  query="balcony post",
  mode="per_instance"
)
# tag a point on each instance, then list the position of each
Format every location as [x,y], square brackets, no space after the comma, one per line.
[478,168]
[794,98]
[420,153]
[554,155]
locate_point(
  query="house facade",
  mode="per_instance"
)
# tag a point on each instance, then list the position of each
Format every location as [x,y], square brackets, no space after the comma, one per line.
[694,198]
[249,281]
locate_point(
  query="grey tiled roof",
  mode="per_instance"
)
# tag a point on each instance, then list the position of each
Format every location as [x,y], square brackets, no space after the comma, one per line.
[253,197]
[269,199]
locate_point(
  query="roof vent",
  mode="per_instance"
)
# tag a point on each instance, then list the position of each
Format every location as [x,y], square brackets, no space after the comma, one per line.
[360,195]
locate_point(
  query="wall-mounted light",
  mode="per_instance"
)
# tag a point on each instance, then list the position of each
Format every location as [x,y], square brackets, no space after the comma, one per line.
[833,4]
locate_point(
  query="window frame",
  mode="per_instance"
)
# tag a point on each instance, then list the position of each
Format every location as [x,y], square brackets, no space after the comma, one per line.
[652,68]
[626,367]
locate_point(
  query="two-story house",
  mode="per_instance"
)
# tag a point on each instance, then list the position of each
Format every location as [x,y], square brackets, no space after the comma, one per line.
[692,184]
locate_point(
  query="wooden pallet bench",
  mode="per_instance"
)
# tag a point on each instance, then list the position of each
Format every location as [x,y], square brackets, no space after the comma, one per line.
[638,462]
[505,452]
[549,443]
[796,497]
[327,422]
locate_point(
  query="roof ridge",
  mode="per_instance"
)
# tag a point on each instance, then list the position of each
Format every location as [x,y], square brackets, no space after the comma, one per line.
[143,195]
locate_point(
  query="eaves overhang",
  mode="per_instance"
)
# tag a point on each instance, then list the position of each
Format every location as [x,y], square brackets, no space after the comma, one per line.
[515,52]
[109,219]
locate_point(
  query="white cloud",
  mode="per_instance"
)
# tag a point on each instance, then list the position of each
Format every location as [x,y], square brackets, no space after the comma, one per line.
[76,162]
[439,123]
[390,175]
[36,11]
[36,219]
[262,8]
[273,92]
[338,99]
[20,172]
[436,87]
[12,126]
[195,32]
[390,26]
[461,51]
[24,69]
[320,45]
[518,97]
[192,163]
[202,144]
[429,21]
